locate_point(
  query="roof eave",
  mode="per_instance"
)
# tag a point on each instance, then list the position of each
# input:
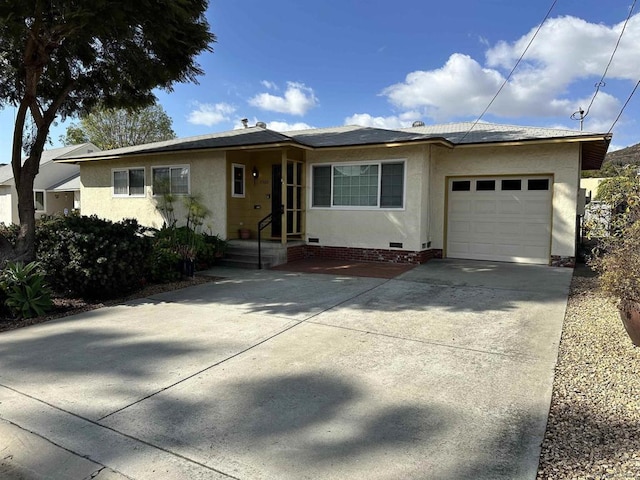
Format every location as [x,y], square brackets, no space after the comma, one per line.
[260,146]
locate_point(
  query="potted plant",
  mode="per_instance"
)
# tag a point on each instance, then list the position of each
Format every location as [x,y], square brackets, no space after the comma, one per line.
[187,260]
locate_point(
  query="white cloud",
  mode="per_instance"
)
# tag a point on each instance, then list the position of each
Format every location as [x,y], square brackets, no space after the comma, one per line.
[460,87]
[285,127]
[269,85]
[211,114]
[298,99]
[274,125]
[613,148]
[393,121]
[567,50]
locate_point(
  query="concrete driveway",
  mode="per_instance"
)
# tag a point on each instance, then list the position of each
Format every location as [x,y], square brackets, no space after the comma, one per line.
[444,372]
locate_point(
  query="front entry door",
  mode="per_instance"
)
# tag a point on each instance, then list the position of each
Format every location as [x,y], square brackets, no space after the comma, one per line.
[293,208]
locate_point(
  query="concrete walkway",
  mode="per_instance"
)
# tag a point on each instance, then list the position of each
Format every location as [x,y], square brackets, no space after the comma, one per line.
[444,372]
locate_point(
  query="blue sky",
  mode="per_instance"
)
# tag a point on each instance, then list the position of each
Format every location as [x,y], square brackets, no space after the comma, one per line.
[297,64]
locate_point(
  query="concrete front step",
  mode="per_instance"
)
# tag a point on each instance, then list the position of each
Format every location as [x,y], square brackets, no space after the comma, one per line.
[244,254]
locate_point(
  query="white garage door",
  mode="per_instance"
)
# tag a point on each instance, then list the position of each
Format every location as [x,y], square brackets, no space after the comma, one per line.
[503,218]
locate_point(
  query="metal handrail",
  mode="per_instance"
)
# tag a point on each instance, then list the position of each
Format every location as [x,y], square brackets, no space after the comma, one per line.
[262,224]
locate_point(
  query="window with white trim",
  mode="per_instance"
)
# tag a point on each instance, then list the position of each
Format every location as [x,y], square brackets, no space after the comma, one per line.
[128,182]
[363,185]
[171,179]
[237,180]
[39,200]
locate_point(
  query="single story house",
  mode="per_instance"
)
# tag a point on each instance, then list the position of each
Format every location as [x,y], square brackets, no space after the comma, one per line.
[56,188]
[483,191]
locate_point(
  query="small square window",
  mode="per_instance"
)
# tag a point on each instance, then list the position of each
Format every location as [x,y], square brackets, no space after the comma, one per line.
[485,185]
[461,186]
[538,184]
[512,184]
[38,198]
[237,179]
[170,180]
[128,182]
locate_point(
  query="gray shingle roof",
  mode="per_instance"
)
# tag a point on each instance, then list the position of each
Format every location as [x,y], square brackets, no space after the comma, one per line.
[233,138]
[466,132]
[6,171]
[353,135]
[70,184]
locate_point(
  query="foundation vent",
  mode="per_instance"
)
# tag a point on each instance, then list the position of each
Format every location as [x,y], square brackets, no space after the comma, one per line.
[395,245]
[314,240]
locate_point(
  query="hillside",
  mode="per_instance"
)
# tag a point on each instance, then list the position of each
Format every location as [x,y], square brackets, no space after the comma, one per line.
[624,156]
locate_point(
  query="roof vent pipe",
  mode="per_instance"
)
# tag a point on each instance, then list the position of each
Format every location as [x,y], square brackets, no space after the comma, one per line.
[261,125]
[245,122]
[418,123]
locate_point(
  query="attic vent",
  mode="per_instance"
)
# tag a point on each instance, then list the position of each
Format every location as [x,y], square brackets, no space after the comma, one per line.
[90,150]
[418,123]
[261,125]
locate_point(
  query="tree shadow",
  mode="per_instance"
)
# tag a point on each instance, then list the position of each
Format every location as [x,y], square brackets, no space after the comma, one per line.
[303,420]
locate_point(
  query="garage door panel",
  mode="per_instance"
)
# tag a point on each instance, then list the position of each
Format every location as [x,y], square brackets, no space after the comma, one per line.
[460,207]
[509,250]
[537,207]
[510,207]
[463,227]
[482,248]
[500,225]
[485,207]
[459,248]
[484,228]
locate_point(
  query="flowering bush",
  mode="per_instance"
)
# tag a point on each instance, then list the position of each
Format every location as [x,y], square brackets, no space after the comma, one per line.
[617,256]
[619,265]
[91,257]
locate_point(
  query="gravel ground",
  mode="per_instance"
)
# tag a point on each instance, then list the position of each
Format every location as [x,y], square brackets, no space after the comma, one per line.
[593,431]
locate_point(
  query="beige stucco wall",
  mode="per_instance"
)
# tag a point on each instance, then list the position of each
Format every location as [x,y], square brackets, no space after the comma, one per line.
[378,227]
[207,180]
[560,160]
[591,186]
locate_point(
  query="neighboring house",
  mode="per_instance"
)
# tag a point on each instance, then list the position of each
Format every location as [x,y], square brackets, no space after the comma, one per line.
[488,192]
[56,188]
[590,186]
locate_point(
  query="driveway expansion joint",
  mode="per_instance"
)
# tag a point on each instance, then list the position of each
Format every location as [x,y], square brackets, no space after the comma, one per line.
[427,342]
[114,430]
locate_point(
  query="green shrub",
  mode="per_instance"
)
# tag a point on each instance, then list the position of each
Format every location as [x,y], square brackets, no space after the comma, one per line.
[91,257]
[27,295]
[162,263]
[10,232]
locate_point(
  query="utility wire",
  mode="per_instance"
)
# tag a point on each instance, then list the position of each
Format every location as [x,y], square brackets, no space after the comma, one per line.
[506,80]
[624,106]
[602,83]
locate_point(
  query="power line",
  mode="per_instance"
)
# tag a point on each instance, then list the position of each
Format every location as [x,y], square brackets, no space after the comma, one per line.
[624,106]
[512,70]
[602,83]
